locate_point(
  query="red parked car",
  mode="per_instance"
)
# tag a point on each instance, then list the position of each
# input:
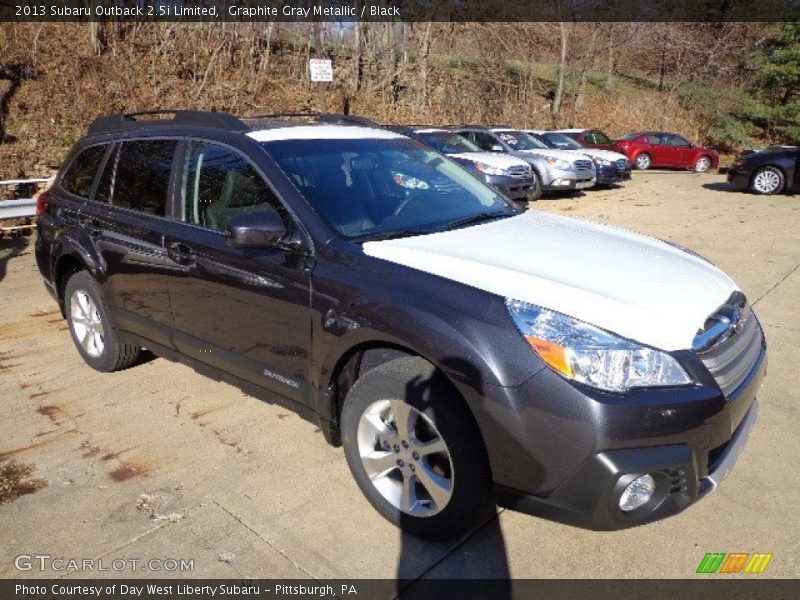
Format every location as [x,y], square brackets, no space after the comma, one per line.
[647,149]
[592,138]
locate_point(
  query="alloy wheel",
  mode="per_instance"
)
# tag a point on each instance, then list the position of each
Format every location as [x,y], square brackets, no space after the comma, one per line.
[86,323]
[405,458]
[643,162]
[703,164]
[766,181]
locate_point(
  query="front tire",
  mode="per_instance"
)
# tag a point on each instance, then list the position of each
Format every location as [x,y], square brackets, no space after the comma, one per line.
[91,329]
[536,190]
[643,161]
[767,181]
[415,450]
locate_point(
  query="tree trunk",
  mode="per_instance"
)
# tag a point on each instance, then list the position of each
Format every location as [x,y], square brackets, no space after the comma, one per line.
[558,96]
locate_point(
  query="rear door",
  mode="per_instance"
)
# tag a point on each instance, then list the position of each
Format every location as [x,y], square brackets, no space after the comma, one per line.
[660,152]
[244,311]
[126,219]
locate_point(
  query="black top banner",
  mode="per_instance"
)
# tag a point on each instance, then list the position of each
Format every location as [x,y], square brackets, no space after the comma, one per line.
[400,10]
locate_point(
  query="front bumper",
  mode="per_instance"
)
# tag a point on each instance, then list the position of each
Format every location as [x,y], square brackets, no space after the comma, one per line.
[738,177]
[518,189]
[576,449]
[559,180]
[607,174]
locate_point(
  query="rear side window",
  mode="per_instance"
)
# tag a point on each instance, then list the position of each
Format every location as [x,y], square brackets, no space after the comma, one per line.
[80,177]
[221,184]
[142,179]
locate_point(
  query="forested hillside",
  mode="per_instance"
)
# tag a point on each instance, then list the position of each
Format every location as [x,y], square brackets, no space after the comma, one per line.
[728,85]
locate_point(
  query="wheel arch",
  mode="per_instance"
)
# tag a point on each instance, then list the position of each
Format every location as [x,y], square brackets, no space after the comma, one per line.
[353,364]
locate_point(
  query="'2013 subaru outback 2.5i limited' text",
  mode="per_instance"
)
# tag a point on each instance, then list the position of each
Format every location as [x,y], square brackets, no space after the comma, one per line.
[462,352]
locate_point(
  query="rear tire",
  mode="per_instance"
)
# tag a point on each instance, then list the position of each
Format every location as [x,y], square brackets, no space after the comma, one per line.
[702,164]
[643,161]
[767,181]
[91,329]
[415,450]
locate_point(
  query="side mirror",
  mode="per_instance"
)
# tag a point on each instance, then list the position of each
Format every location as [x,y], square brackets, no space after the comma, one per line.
[261,229]
[497,148]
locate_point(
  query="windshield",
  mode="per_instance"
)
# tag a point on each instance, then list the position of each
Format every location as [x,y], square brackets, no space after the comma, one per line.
[630,136]
[560,140]
[519,140]
[381,188]
[448,143]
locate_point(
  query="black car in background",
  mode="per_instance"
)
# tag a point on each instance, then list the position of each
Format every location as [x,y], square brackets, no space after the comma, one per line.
[512,176]
[772,170]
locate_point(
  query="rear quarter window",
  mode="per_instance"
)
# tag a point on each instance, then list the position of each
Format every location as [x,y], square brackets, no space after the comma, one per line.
[81,174]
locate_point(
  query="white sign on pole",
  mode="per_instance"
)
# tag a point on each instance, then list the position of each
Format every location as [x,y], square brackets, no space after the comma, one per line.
[321,69]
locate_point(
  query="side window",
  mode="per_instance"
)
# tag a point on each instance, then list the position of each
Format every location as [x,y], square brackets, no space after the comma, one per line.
[676,140]
[590,138]
[80,177]
[142,179]
[654,139]
[484,141]
[220,184]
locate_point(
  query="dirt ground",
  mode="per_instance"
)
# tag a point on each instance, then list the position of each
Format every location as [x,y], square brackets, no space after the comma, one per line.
[158,462]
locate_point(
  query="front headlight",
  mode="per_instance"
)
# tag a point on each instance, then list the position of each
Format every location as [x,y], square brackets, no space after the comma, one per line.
[557,162]
[590,355]
[490,170]
[601,161]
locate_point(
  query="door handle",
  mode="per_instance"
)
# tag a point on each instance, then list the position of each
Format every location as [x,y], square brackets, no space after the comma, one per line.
[181,253]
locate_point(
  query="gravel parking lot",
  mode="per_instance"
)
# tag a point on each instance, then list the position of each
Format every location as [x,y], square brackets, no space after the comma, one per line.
[158,462]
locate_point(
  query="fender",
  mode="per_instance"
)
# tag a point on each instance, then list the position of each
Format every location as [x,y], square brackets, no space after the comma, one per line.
[75,244]
[392,306]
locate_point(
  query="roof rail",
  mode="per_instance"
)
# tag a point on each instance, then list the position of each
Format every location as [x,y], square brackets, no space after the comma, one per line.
[321,117]
[197,118]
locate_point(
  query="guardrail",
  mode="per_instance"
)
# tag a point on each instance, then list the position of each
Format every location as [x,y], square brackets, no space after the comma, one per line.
[20,208]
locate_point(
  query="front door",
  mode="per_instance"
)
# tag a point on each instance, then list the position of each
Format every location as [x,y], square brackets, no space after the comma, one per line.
[244,311]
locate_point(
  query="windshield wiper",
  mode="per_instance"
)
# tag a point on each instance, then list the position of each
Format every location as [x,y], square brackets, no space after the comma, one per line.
[390,235]
[475,219]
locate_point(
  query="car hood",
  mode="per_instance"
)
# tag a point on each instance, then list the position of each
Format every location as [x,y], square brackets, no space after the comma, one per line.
[562,154]
[490,158]
[603,154]
[630,284]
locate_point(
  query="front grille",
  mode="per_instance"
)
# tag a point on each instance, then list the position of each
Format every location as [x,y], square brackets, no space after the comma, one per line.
[520,171]
[583,165]
[731,360]
[622,163]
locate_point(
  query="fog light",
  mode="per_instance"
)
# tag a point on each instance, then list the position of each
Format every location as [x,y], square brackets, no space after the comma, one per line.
[638,493]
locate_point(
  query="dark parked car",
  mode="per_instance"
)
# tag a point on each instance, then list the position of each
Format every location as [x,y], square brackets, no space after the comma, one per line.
[647,149]
[592,138]
[512,176]
[459,349]
[773,170]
